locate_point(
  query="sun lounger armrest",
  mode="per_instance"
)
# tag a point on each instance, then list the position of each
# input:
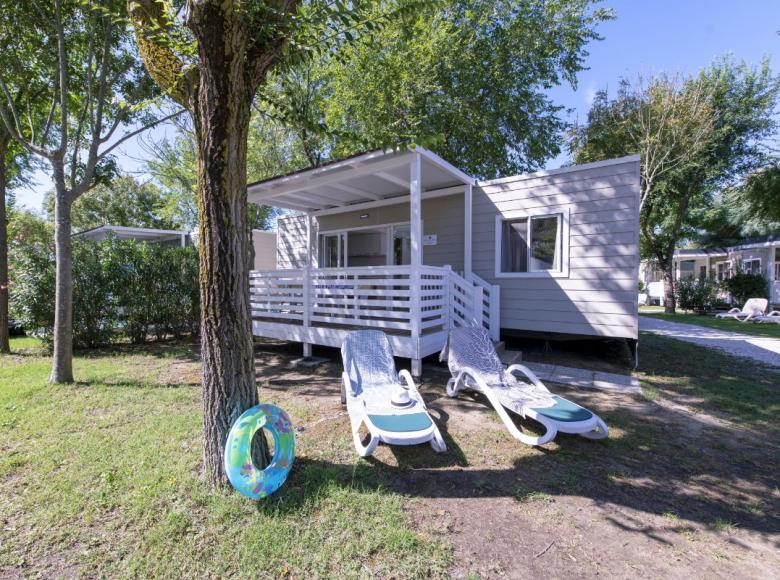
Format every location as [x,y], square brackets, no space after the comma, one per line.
[528,373]
[774,313]
[734,311]
[406,377]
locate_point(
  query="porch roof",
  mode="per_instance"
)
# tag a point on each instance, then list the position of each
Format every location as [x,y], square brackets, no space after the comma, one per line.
[368,177]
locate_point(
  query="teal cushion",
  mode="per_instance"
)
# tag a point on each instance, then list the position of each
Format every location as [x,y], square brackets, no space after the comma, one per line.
[402,423]
[564,410]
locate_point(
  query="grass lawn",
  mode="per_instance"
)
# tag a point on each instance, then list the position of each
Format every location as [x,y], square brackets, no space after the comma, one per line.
[770,330]
[101,478]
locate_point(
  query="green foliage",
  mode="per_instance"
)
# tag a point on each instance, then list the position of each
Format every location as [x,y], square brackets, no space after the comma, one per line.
[742,286]
[697,294]
[119,288]
[449,76]
[123,201]
[173,164]
[697,136]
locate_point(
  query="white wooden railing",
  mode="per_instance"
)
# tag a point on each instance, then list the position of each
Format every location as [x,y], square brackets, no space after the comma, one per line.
[386,297]
[490,306]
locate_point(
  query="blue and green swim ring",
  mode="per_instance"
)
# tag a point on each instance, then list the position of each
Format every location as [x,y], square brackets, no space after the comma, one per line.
[241,471]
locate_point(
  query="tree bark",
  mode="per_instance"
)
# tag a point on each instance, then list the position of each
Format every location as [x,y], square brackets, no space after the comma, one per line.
[62,359]
[5,346]
[669,301]
[221,113]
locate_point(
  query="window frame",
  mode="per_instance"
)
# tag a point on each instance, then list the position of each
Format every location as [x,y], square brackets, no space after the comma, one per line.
[562,243]
[389,229]
[751,260]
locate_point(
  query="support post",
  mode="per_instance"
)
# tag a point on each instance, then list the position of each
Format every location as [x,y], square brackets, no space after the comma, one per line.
[415,279]
[415,194]
[307,287]
[467,214]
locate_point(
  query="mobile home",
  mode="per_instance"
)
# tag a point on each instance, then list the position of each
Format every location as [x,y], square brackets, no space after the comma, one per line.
[406,242]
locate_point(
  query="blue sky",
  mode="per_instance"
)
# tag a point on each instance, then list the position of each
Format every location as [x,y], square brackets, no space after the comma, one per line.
[648,36]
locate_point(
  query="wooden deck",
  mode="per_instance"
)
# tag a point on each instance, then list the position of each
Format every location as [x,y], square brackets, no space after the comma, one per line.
[415,307]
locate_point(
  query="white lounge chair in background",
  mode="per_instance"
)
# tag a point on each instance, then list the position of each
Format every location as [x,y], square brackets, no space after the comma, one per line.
[752,308]
[392,411]
[474,364]
[773,316]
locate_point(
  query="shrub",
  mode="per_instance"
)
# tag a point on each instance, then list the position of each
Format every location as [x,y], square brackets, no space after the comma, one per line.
[697,294]
[119,287]
[743,286]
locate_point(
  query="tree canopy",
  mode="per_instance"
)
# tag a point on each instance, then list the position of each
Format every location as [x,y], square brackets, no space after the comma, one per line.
[699,137]
[124,201]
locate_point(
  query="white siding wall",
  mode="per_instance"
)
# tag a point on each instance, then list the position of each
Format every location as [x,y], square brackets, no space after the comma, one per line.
[599,296]
[291,242]
[265,249]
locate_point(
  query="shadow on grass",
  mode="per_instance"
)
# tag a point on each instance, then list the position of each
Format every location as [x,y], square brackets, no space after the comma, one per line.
[736,389]
[666,461]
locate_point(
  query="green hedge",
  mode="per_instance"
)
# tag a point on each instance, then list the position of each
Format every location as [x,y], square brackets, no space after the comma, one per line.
[120,288]
[744,286]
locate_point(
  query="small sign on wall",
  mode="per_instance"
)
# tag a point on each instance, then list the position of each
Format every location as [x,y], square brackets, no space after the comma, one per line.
[430,240]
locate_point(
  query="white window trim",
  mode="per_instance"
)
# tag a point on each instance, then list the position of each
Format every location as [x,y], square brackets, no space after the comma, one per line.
[744,270]
[388,228]
[563,240]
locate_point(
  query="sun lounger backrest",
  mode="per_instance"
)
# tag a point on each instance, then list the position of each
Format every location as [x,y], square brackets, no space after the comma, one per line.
[755,306]
[368,359]
[472,348]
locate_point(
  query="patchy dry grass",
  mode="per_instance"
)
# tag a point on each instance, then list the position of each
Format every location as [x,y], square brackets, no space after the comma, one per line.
[101,478]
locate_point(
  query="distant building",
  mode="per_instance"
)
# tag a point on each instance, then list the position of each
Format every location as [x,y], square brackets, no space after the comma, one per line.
[164,237]
[755,255]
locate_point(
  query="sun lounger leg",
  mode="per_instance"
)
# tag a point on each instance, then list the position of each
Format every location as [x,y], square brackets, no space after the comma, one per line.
[600,432]
[364,450]
[437,443]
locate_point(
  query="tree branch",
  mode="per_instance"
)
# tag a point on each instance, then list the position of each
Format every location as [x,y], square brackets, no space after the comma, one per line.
[166,68]
[132,134]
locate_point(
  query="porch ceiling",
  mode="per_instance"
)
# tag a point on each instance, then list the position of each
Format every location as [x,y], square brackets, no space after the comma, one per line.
[373,176]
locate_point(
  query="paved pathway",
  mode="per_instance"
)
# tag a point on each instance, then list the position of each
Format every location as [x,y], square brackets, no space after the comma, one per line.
[761,349]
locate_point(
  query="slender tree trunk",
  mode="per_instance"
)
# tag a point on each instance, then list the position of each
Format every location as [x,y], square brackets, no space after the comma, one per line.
[5,346]
[221,113]
[62,360]
[669,301]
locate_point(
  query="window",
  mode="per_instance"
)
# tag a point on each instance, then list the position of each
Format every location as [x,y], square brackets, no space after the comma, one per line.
[531,245]
[723,271]
[367,246]
[332,248]
[777,264]
[687,269]
[402,245]
[752,266]
[702,271]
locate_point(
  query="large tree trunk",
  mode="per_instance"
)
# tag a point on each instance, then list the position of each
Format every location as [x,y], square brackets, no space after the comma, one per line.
[221,113]
[5,346]
[62,360]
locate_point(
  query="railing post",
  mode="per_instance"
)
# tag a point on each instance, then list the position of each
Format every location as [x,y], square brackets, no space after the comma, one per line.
[495,312]
[476,305]
[448,306]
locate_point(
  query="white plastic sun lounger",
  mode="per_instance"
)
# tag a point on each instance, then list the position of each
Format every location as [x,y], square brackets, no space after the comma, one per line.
[773,316]
[368,383]
[753,308]
[474,364]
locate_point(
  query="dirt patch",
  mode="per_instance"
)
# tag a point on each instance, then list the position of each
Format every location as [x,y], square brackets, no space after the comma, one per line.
[674,492]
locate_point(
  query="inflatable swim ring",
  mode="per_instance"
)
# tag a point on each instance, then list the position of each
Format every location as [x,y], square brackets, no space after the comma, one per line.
[241,471]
